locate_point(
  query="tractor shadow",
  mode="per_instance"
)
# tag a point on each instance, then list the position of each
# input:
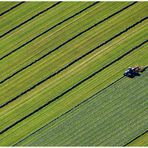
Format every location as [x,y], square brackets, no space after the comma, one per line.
[134,75]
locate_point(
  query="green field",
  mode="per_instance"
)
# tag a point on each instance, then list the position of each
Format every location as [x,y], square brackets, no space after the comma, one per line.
[101,120]
[141,141]
[56,55]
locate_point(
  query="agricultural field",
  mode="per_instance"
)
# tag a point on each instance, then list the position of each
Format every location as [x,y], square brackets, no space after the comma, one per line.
[61,74]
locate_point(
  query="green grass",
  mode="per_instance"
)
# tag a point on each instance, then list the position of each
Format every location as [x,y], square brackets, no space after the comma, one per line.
[74,74]
[141,141]
[6,5]
[14,18]
[107,119]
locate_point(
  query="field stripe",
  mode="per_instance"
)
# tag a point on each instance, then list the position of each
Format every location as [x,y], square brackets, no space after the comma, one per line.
[74,86]
[17,16]
[13,7]
[43,11]
[48,30]
[68,65]
[69,110]
[40,24]
[89,28]
[136,138]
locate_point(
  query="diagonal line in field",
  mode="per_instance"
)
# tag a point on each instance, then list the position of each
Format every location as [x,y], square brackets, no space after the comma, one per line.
[136,138]
[72,109]
[43,11]
[47,31]
[89,28]
[74,86]
[13,7]
[29,89]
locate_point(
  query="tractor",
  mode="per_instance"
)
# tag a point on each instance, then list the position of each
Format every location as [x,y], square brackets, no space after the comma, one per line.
[131,72]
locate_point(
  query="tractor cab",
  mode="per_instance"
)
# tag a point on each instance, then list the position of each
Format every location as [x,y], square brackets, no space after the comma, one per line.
[131,72]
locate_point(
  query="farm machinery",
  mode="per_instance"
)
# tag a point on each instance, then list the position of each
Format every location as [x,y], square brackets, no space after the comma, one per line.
[131,72]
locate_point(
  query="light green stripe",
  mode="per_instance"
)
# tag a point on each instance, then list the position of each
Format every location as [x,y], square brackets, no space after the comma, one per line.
[21,14]
[39,24]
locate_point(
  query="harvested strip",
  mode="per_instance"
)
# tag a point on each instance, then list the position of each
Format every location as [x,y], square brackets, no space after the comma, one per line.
[71,25]
[136,38]
[20,14]
[11,8]
[33,17]
[36,60]
[6,5]
[86,47]
[59,107]
[41,45]
[102,120]
[41,26]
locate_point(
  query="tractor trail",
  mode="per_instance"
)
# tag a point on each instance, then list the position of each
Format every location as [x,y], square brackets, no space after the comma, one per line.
[13,7]
[43,11]
[47,31]
[91,27]
[68,65]
[74,86]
